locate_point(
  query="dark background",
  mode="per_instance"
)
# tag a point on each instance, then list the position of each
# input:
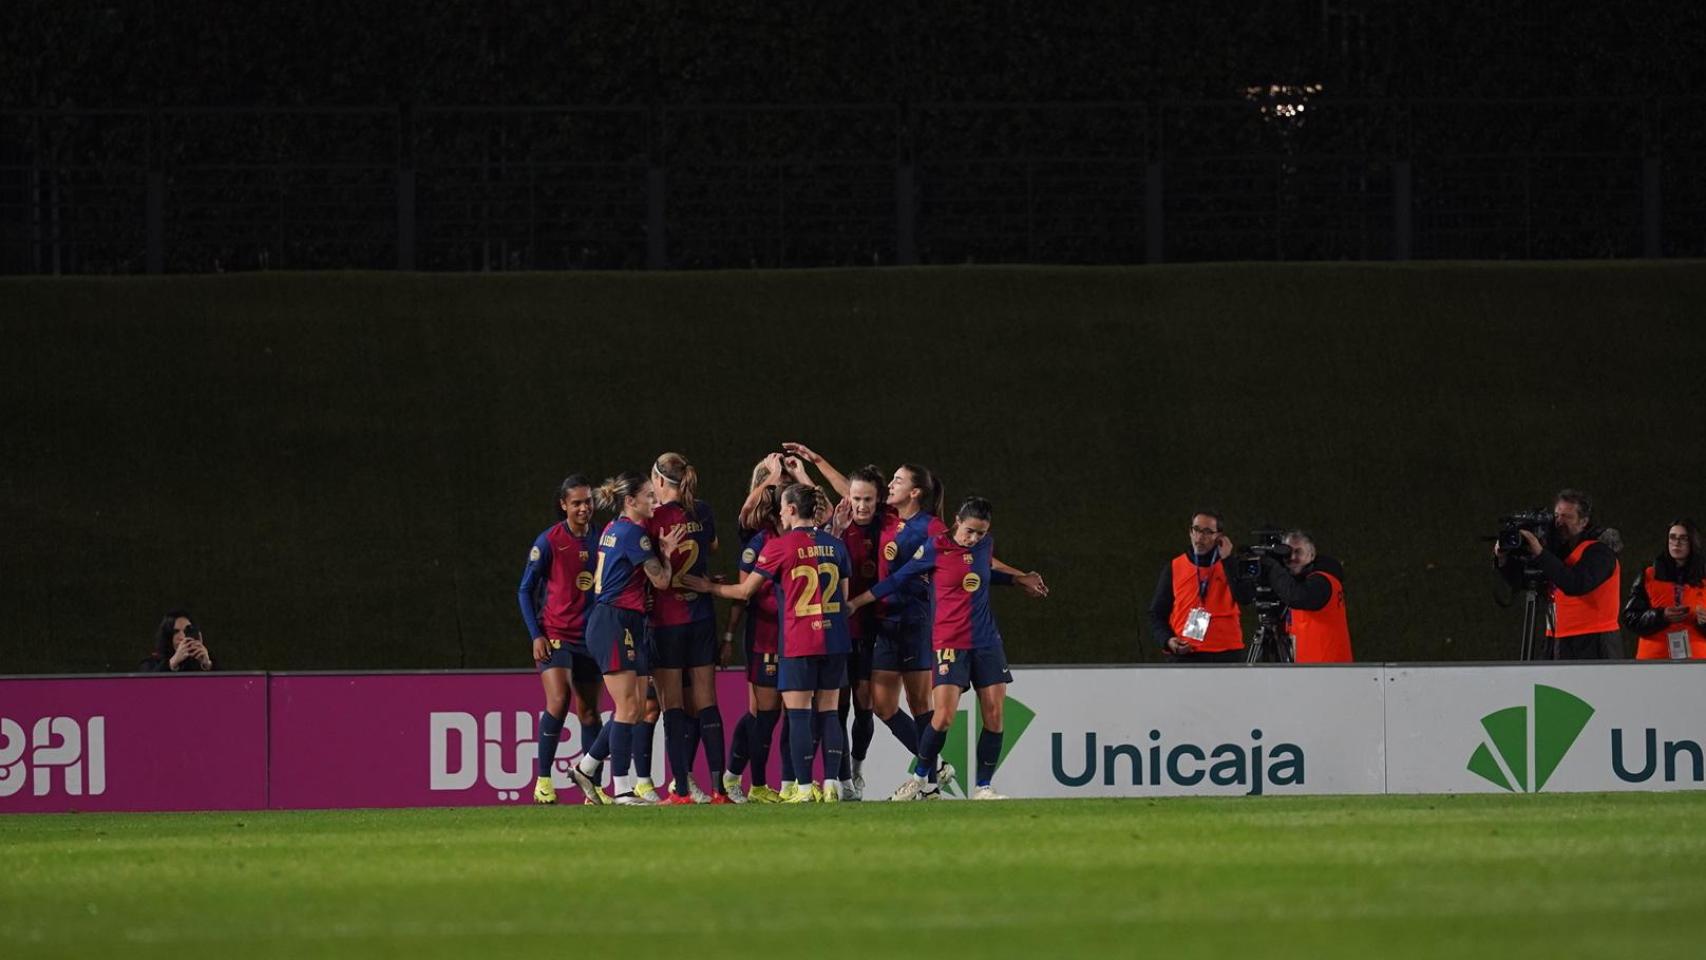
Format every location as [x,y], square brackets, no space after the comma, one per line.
[344,468]
[60,53]
[347,470]
[201,137]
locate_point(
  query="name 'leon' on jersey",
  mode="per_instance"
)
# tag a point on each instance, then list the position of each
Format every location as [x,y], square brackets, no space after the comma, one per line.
[809,569]
[623,550]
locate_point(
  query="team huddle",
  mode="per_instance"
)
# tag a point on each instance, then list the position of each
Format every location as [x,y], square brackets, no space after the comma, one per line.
[842,607]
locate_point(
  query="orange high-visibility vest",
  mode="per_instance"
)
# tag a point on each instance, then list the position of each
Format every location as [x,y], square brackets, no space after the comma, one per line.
[1225,632]
[1322,636]
[1662,594]
[1592,612]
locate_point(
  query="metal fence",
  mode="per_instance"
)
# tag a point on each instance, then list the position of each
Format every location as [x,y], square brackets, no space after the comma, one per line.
[1279,174]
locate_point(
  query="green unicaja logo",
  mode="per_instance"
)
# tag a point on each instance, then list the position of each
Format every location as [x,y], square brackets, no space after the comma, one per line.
[1503,757]
[960,747]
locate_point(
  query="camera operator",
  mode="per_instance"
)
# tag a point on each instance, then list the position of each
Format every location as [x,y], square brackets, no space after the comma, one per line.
[1194,614]
[1312,587]
[1580,573]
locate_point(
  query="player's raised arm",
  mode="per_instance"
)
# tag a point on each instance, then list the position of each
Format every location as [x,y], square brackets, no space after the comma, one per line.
[836,480]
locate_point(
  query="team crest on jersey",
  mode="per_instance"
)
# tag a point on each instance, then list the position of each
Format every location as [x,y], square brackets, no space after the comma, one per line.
[584,556]
[972,582]
[747,556]
[890,551]
[533,555]
[869,569]
[942,668]
[583,581]
[967,558]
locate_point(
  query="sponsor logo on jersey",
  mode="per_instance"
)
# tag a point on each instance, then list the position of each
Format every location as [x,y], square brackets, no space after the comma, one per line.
[583,581]
[971,582]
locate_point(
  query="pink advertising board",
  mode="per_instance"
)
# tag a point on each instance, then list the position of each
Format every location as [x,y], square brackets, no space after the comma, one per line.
[290,741]
[133,743]
[428,740]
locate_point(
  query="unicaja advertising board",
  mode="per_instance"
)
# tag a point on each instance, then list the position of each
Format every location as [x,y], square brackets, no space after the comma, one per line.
[1555,728]
[1228,731]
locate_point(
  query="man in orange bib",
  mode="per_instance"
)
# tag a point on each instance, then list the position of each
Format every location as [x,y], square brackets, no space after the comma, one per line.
[1582,583]
[1194,614]
[1312,587]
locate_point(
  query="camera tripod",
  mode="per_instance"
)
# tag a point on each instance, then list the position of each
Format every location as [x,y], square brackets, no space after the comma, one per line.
[1532,646]
[1269,644]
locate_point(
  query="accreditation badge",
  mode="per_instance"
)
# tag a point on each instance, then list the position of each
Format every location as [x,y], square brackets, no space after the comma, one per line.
[1678,640]
[1196,624]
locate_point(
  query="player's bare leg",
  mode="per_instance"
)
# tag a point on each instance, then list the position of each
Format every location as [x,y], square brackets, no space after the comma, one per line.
[556,683]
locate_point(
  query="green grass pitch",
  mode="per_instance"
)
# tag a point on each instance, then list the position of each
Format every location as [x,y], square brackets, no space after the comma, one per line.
[1496,876]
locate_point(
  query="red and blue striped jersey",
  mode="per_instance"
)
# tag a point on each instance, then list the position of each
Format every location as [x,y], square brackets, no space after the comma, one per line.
[899,542]
[960,579]
[620,579]
[677,605]
[808,567]
[761,623]
[861,543]
[560,564]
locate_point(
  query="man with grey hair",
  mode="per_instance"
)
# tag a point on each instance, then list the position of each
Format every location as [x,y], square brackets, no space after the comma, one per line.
[1312,587]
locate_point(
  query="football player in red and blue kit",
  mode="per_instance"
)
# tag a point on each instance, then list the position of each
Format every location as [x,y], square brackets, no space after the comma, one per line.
[964,638]
[807,569]
[757,621]
[555,591]
[684,630]
[858,523]
[627,568]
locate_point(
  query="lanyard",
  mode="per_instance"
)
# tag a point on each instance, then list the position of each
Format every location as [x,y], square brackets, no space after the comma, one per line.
[1678,588]
[1206,574]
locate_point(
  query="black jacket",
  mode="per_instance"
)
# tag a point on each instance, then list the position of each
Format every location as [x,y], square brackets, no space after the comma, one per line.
[1598,563]
[1161,605]
[1639,614]
[1305,591]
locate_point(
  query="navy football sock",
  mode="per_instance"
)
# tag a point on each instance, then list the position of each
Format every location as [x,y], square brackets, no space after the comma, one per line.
[834,743]
[600,748]
[799,725]
[762,731]
[923,721]
[787,748]
[678,747]
[643,733]
[844,767]
[621,746]
[988,755]
[864,725]
[740,745]
[710,730]
[904,730]
[929,751]
[550,728]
